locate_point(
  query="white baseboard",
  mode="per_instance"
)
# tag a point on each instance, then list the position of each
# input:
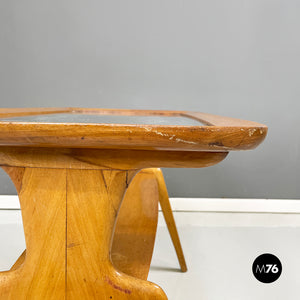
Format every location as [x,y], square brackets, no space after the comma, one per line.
[282,206]
[236,205]
[9,202]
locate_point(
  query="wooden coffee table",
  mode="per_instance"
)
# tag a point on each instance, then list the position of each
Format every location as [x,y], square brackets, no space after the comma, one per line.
[71,168]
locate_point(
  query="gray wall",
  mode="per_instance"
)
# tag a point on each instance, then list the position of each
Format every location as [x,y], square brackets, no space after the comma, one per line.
[235,58]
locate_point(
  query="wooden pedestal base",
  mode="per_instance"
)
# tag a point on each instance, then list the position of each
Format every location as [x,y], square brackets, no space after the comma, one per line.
[70,200]
[69,218]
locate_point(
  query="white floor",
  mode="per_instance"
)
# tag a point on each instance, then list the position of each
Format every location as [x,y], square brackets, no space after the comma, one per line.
[220,248]
[220,258]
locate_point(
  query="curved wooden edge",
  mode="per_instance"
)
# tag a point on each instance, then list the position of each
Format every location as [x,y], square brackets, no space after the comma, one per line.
[220,133]
[16,175]
[57,158]
[137,137]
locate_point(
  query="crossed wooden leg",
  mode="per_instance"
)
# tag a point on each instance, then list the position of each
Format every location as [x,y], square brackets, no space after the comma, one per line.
[135,232]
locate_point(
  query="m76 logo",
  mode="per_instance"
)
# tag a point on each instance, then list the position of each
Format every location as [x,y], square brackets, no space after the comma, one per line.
[267,268]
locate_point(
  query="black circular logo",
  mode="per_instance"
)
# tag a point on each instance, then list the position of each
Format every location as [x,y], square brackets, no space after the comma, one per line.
[267,268]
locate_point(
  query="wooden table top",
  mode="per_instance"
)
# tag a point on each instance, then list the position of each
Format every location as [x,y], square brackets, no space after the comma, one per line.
[127,129]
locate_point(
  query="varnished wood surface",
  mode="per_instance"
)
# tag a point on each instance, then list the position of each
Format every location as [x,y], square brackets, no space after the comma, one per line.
[69,218]
[135,231]
[42,275]
[136,225]
[220,133]
[70,195]
[96,277]
[106,158]
[138,217]
[169,218]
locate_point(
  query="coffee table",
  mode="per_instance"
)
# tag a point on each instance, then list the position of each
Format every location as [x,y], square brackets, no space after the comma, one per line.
[71,168]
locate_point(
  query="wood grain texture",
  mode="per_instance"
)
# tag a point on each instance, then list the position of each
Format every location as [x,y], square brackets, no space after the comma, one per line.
[42,274]
[106,159]
[96,196]
[135,230]
[220,133]
[136,225]
[69,218]
[71,179]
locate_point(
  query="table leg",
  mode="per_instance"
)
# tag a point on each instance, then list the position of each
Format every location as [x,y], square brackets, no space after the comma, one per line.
[136,225]
[69,217]
[135,232]
[42,196]
[169,217]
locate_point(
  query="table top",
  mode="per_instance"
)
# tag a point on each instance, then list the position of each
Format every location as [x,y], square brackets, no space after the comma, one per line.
[126,129]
